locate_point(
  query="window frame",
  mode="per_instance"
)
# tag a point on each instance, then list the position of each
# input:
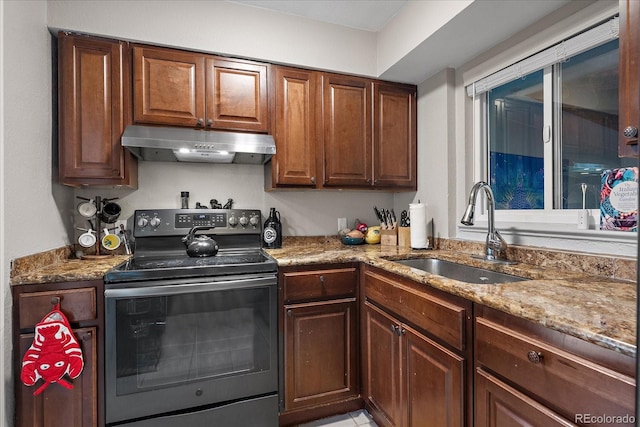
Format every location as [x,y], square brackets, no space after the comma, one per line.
[549,227]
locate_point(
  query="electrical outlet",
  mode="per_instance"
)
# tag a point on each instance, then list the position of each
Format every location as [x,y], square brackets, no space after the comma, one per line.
[342,223]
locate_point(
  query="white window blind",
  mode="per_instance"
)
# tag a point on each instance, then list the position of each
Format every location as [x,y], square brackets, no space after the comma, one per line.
[560,52]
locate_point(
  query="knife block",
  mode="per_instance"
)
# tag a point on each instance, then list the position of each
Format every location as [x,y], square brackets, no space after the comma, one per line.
[389,237]
[404,237]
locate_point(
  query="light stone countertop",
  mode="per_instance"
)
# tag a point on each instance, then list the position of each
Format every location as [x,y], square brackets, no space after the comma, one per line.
[593,308]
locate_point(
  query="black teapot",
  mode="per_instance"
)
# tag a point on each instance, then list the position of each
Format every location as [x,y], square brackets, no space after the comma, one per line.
[200,245]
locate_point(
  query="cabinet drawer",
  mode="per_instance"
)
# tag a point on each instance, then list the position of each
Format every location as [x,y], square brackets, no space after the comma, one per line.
[77,304]
[441,318]
[565,382]
[319,284]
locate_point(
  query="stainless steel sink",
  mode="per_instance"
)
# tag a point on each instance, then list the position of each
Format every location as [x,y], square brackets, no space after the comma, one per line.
[461,272]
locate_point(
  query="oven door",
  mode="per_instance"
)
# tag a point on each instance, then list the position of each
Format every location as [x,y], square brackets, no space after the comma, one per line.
[179,346]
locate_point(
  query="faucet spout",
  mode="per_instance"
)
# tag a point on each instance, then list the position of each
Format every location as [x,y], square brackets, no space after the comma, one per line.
[495,246]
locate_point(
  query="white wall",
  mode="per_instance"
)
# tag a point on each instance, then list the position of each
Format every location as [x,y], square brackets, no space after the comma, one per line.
[31,219]
[225,28]
[304,213]
[436,152]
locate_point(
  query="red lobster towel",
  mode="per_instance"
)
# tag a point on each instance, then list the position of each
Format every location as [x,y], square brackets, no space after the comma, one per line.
[54,353]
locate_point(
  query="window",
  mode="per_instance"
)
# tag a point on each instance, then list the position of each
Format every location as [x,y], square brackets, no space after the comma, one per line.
[550,124]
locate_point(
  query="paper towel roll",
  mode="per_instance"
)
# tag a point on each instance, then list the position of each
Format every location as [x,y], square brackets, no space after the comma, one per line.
[418,216]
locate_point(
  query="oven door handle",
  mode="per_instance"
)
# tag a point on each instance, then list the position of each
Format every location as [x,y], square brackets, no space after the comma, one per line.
[189,288]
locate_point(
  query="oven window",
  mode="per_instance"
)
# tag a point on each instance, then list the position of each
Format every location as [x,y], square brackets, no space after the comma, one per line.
[169,340]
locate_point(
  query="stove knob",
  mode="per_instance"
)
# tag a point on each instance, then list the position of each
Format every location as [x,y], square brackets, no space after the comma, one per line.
[233,221]
[244,220]
[254,220]
[142,222]
[154,222]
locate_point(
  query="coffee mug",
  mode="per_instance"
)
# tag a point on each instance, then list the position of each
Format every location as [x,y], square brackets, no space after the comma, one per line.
[87,209]
[110,241]
[110,212]
[87,239]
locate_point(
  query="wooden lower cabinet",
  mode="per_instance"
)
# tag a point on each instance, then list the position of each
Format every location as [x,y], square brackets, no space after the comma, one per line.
[410,379]
[415,346]
[528,375]
[319,354]
[319,348]
[82,304]
[498,404]
[56,405]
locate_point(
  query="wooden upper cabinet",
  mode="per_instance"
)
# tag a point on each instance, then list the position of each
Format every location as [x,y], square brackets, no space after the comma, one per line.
[629,78]
[236,95]
[168,87]
[394,136]
[178,88]
[294,128]
[94,94]
[346,148]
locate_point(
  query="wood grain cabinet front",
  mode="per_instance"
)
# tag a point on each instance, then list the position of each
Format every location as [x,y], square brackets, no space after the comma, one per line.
[294,129]
[180,88]
[368,133]
[415,351]
[629,79]
[547,378]
[319,314]
[93,97]
[80,406]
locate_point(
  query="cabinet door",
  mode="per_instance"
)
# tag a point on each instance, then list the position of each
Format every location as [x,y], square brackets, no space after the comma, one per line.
[394,130]
[499,405]
[236,95]
[56,405]
[93,94]
[435,382]
[629,78]
[381,360]
[168,87]
[347,131]
[295,128]
[320,352]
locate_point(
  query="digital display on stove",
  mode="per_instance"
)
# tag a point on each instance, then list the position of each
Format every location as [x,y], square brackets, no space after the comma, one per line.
[190,220]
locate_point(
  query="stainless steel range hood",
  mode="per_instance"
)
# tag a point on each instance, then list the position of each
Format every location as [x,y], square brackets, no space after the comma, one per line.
[202,146]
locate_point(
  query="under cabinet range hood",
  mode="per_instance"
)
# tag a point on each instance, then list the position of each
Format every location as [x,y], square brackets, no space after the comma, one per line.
[204,146]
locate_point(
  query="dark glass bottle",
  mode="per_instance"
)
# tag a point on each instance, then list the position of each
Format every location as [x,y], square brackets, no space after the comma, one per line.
[272,231]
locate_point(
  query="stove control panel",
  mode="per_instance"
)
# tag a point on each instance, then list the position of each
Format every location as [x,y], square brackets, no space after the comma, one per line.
[172,222]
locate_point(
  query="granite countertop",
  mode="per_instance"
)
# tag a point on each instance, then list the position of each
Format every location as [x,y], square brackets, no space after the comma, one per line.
[593,308]
[69,270]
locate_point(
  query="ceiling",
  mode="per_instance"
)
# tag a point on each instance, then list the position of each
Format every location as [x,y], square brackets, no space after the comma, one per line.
[370,15]
[478,27]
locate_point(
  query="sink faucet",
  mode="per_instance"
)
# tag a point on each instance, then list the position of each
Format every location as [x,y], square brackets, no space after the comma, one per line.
[495,246]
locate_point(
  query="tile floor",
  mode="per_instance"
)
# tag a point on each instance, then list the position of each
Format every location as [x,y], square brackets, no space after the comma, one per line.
[353,419]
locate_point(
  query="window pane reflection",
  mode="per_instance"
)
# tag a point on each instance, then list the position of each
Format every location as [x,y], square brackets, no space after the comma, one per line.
[589,93]
[516,157]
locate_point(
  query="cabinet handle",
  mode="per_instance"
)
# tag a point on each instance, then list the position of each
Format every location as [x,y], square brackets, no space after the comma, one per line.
[630,132]
[55,300]
[534,357]
[289,313]
[402,331]
[322,279]
[209,122]
[200,121]
[313,179]
[86,337]
[393,329]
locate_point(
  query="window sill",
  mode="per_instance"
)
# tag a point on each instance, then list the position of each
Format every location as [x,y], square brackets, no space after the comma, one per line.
[557,236]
